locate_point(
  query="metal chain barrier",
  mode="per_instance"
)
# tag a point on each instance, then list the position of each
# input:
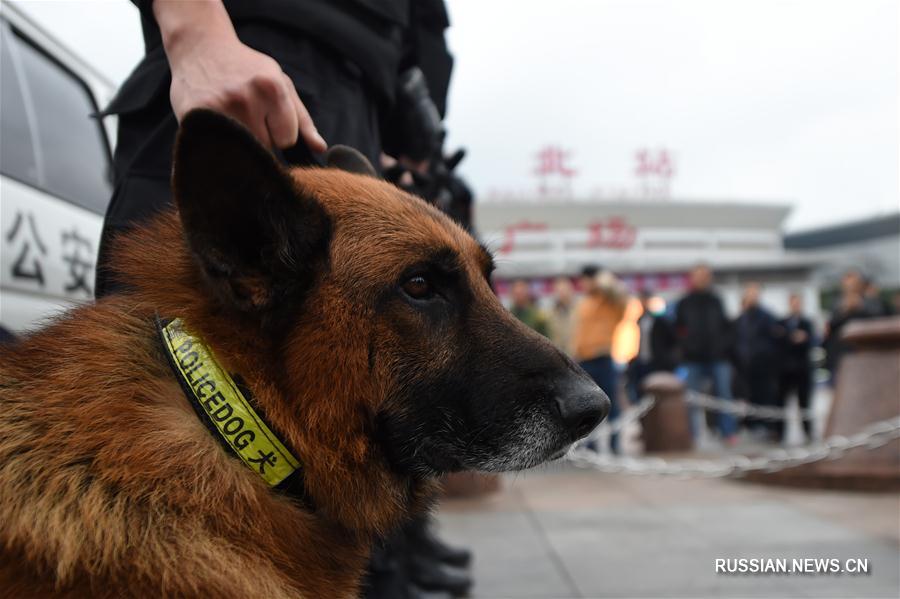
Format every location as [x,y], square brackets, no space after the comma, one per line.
[870,437]
[739,407]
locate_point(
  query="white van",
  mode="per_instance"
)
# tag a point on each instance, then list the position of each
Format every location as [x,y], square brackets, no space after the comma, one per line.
[55,173]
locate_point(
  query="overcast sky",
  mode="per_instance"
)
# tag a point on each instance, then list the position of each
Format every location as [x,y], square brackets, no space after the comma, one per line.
[761,100]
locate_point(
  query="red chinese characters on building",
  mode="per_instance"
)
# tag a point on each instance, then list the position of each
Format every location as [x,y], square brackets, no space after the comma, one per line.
[554,172]
[552,160]
[648,164]
[613,232]
[655,170]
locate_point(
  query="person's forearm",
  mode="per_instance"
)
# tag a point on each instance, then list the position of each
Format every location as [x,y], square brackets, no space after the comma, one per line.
[182,23]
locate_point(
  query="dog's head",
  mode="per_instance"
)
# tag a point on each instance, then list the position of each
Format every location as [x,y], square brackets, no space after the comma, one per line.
[377,304]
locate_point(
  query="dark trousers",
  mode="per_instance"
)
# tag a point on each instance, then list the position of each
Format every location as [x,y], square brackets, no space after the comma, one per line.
[603,370]
[718,374]
[762,390]
[637,371]
[799,382]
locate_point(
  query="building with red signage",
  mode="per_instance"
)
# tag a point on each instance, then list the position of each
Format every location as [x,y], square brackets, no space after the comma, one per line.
[650,244]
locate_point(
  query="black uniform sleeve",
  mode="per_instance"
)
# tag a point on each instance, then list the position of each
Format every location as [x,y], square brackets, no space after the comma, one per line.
[429,47]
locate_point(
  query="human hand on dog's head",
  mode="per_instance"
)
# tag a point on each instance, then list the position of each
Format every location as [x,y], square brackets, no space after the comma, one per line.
[211,68]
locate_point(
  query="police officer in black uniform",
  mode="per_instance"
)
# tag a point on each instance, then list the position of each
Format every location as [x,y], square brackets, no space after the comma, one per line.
[297,73]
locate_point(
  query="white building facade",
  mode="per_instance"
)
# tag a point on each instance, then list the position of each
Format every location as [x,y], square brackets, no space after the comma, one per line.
[650,244]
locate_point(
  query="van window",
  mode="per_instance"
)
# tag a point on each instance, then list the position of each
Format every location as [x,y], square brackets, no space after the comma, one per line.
[17,159]
[71,151]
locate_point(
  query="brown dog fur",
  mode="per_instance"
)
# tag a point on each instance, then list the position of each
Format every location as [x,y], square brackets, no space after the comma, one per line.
[110,486]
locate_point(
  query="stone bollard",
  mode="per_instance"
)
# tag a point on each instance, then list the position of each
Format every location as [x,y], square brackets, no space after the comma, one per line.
[666,426]
[868,390]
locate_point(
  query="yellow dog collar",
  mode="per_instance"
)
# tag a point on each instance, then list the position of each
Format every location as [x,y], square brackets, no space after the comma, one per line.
[224,407]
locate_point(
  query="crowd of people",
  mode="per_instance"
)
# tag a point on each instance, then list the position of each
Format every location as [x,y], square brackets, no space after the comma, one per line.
[758,356]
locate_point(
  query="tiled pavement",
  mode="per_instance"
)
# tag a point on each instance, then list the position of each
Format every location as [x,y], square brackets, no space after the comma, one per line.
[560,532]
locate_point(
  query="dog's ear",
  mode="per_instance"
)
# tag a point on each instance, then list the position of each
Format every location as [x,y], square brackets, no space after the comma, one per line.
[349,159]
[253,234]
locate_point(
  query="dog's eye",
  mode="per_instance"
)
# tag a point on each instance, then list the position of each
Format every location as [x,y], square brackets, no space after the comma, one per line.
[418,287]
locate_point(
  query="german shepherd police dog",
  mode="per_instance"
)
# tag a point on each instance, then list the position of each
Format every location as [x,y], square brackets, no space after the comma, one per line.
[300,353]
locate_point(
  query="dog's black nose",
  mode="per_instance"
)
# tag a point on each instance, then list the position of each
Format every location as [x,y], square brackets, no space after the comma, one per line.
[582,405]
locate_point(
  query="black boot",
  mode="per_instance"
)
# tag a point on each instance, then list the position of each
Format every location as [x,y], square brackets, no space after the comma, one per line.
[424,542]
[432,575]
[388,573]
[386,578]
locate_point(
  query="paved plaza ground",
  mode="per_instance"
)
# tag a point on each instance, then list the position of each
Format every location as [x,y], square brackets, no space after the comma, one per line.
[560,532]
